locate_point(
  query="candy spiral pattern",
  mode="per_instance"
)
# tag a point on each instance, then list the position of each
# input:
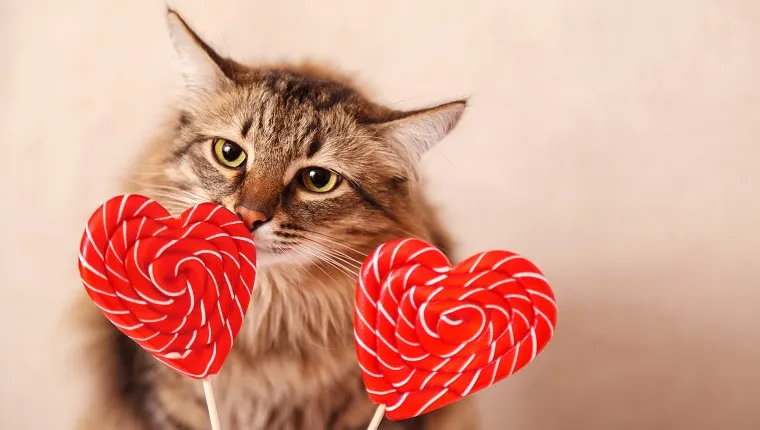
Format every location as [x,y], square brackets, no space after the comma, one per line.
[178,287]
[428,334]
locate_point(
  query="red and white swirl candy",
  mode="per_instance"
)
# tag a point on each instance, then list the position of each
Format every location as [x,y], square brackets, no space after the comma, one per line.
[428,334]
[180,288]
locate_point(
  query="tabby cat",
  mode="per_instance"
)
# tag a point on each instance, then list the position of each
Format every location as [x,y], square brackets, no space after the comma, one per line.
[321,175]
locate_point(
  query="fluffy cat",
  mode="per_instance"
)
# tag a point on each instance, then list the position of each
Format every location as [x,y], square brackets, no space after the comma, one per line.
[321,175]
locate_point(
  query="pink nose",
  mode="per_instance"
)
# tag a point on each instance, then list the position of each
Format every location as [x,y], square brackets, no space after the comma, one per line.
[251,218]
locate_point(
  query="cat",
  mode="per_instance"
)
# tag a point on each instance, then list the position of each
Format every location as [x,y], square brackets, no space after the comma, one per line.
[321,175]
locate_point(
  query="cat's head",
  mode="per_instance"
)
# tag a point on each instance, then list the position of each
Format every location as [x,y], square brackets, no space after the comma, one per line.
[316,170]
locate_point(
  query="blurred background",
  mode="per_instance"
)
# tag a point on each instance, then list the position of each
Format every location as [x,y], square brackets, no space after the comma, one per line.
[614,143]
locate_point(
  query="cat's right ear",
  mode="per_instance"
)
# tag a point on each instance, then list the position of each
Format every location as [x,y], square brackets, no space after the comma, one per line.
[202,69]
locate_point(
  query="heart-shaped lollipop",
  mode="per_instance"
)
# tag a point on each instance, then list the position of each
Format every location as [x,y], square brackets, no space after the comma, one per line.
[428,334]
[179,287]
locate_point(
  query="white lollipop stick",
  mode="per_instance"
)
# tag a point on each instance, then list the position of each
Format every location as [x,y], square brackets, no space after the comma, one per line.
[375,423]
[212,413]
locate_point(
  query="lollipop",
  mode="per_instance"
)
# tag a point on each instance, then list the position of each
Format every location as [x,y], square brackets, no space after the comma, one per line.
[428,334]
[178,287]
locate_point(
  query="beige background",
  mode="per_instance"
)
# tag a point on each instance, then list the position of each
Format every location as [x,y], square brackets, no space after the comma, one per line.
[613,142]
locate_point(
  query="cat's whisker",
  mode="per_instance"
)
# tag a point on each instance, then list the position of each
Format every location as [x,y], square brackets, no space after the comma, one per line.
[292,261]
[175,207]
[169,196]
[348,271]
[320,254]
[168,204]
[296,250]
[172,189]
[326,259]
[351,262]
[335,241]
[171,193]
[343,258]
[320,241]
[338,267]
[401,232]
[300,264]
[175,198]
[176,191]
[165,187]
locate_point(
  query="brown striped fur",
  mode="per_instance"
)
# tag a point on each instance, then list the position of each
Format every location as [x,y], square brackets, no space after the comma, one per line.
[293,366]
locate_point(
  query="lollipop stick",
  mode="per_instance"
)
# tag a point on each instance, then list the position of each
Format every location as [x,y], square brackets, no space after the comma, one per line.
[211,405]
[375,423]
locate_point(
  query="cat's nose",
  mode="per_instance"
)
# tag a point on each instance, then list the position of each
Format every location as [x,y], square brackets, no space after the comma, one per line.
[251,218]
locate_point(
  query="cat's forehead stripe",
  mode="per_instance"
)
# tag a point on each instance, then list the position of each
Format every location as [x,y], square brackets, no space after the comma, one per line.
[314,146]
[322,94]
[246,126]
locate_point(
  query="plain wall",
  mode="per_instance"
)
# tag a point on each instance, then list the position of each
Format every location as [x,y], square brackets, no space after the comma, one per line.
[615,143]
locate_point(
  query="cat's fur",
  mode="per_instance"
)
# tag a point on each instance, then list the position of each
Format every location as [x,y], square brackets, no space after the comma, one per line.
[293,365]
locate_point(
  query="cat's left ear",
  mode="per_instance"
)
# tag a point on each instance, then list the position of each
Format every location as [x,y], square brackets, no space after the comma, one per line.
[418,131]
[201,67]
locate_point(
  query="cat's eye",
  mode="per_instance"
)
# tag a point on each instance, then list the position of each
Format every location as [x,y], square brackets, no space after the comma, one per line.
[318,180]
[229,153]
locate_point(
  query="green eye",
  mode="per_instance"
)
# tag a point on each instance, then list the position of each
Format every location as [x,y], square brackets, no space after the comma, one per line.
[318,180]
[229,153]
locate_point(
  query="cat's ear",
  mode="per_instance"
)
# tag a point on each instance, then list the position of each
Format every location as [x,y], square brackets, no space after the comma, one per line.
[201,67]
[418,131]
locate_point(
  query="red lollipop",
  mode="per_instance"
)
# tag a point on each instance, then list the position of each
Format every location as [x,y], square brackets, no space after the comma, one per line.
[428,334]
[178,287]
